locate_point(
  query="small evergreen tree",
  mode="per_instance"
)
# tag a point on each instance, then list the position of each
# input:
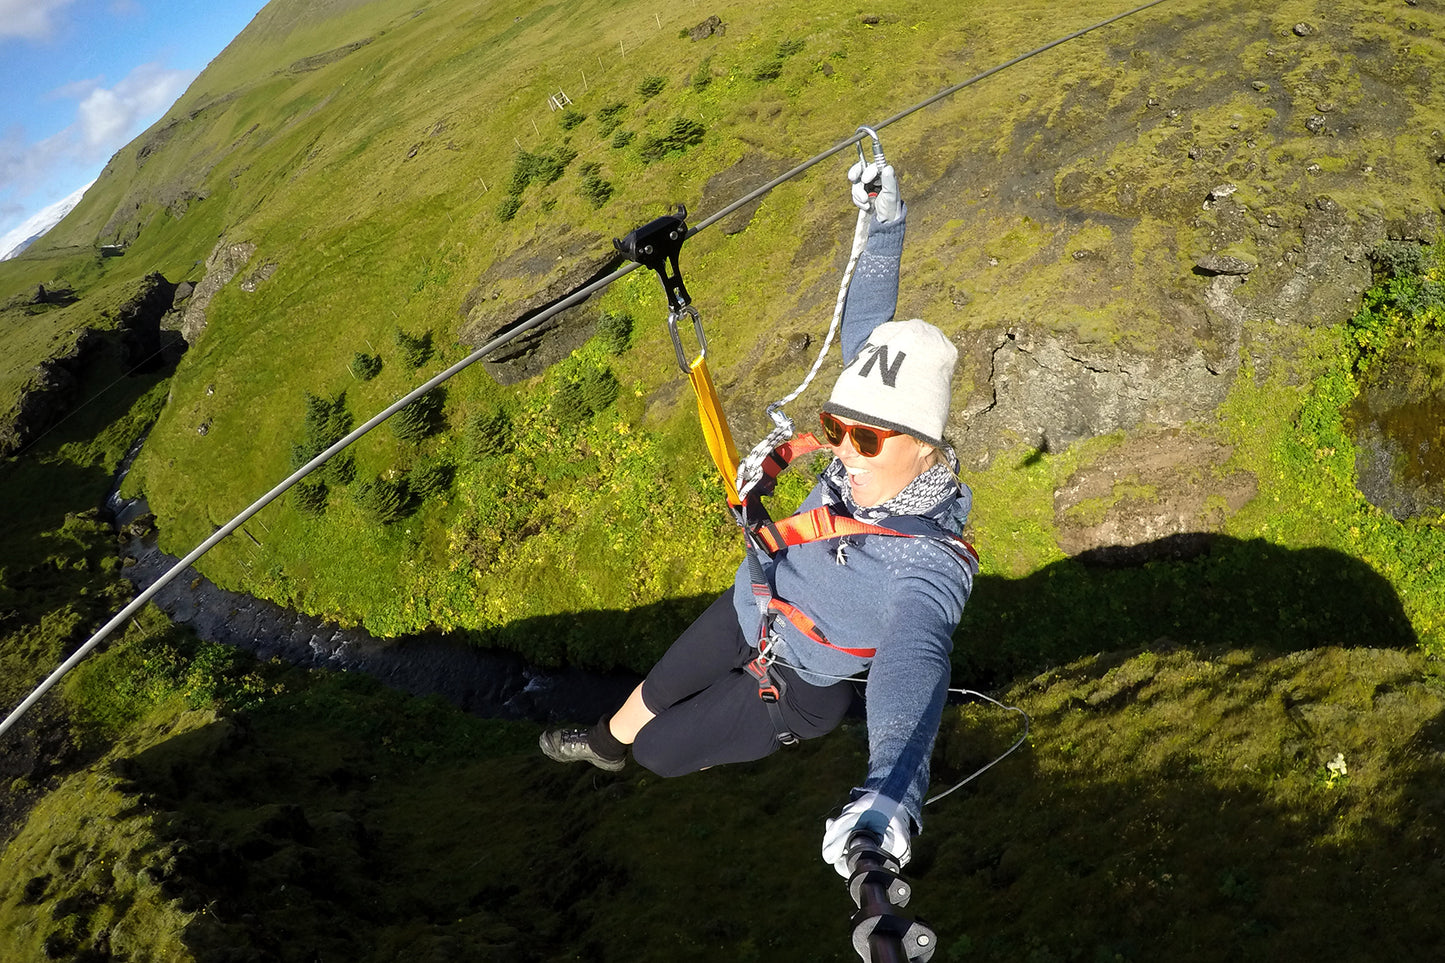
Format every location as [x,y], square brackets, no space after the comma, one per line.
[609,116]
[326,422]
[583,394]
[681,134]
[490,432]
[615,331]
[365,366]
[703,76]
[420,419]
[416,349]
[383,500]
[592,186]
[309,495]
[431,479]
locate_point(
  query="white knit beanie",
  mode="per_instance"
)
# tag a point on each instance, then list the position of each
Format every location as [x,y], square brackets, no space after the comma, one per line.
[900,380]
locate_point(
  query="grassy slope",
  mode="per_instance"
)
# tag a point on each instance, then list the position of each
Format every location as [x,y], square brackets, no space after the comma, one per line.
[1175,795]
[362,182]
[1171,804]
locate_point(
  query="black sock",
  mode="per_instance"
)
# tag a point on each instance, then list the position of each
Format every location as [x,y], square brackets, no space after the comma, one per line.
[604,743]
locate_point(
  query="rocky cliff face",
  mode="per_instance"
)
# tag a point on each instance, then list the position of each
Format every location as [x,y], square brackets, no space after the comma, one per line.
[131,333]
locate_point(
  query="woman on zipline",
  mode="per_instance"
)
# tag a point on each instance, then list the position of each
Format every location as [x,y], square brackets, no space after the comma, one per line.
[884,597]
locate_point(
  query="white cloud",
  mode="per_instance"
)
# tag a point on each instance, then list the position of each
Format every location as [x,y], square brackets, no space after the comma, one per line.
[29,19]
[76,89]
[106,119]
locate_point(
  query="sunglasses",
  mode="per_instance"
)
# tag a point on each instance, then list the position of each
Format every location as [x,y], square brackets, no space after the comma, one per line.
[868,440]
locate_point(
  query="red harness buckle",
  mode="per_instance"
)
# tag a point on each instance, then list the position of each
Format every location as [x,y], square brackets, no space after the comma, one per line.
[769,687]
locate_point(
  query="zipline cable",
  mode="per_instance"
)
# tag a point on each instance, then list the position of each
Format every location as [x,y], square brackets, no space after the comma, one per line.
[571,300]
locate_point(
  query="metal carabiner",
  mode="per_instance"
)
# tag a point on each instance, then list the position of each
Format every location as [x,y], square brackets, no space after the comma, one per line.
[877,147]
[672,318]
[874,186]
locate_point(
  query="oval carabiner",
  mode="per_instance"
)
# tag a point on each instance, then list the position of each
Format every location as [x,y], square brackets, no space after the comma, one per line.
[672,318]
[877,147]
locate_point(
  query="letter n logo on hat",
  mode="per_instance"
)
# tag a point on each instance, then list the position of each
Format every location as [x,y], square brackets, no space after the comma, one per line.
[889,373]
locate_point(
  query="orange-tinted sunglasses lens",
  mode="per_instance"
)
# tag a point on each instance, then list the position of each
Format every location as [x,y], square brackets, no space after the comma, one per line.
[868,441]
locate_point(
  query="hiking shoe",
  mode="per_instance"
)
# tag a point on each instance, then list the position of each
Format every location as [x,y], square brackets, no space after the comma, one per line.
[571,745]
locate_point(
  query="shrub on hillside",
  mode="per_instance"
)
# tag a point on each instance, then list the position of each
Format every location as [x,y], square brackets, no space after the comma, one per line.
[552,163]
[422,418]
[431,479]
[365,366]
[608,117]
[622,138]
[309,495]
[326,422]
[703,75]
[508,208]
[383,500]
[570,118]
[614,330]
[584,393]
[490,432]
[592,186]
[681,134]
[1398,259]
[416,349]
[650,87]
[772,69]
[542,167]
[768,70]
[524,168]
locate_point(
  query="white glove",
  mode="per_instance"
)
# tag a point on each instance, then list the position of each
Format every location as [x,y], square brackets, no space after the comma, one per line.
[875,188]
[879,815]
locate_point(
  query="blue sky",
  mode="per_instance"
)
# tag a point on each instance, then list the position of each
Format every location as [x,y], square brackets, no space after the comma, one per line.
[79,79]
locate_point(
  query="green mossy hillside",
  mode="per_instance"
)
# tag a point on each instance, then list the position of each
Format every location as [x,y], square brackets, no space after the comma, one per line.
[1172,804]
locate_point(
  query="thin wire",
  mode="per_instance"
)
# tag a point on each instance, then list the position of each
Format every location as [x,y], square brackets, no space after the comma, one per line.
[1023,736]
[571,300]
[858,678]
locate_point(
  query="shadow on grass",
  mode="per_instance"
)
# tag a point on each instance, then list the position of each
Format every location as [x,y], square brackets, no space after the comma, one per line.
[1174,803]
[1219,805]
[1247,593]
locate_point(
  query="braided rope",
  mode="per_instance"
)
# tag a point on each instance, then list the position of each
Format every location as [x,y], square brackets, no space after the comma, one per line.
[750,469]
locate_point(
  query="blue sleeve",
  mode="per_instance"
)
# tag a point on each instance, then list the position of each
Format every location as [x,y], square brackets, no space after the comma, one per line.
[908,683]
[873,292]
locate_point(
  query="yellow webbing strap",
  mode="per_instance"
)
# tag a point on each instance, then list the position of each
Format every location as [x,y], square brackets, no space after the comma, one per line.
[715,427]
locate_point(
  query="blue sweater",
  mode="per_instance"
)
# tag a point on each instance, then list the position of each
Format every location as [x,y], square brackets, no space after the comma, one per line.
[901,596]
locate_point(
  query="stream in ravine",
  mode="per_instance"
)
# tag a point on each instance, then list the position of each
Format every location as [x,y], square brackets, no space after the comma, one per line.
[481,682]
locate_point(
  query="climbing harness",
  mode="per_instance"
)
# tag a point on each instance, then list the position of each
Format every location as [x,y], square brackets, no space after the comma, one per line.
[572,300]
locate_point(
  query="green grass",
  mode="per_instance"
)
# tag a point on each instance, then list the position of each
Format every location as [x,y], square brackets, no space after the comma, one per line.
[1176,790]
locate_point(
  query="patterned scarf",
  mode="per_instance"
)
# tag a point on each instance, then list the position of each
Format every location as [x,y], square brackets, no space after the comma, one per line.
[917,497]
